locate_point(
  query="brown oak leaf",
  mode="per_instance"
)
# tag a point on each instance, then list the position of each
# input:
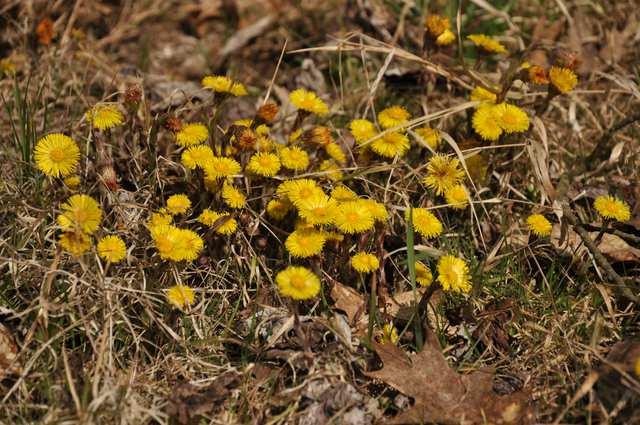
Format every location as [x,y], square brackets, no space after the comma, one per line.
[444,396]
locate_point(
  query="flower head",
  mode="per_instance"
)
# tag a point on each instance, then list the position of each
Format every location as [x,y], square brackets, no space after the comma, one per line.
[104,117]
[453,274]
[81,213]
[353,217]
[389,334]
[331,170]
[308,101]
[485,123]
[336,153]
[362,130]
[457,196]
[181,296]
[436,25]
[278,208]
[318,209]
[264,164]
[363,262]
[391,145]
[393,116]
[305,243]
[294,158]
[563,79]
[298,283]
[539,225]
[425,222]
[299,190]
[612,208]
[423,274]
[221,167]
[76,243]
[481,94]
[376,209]
[510,118]
[342,193]
[197,156]
[222,223]
[72,182]
[223,84]
[429,136]
[487,43]
[232,196]
[447,37]
[443,172]
[178,204]
[57,155]
[112,249]
[192,134]
[159,218]
[537,75]
[319,135]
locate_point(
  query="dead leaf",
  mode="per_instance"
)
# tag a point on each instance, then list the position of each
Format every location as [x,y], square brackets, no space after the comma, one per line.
[348,300]
[444,396]
[188,401]
[618,381]
[611,246]
[8,353]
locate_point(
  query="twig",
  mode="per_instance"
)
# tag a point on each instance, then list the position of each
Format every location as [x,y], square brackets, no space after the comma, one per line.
[623,235]
[600,151]
[597,255]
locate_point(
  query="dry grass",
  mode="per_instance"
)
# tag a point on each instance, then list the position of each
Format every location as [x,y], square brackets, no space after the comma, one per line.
[100,344]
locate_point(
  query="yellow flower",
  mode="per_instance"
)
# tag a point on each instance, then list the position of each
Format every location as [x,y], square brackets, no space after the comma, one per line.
[342,193]
[232,196]
[7,67]
[389,334]
[423,274]
[80,213]
[393,116]
[294,136]
[353,217]
[181,296]
[457,196]
[487,43]
[425,222]
[362,130]
[164,238]
[539,225]
[442,173]
[319,135]
[264,164]
[376,209]
[112,249]
[453,274]
[217,83]
[225,224]
[363,262]
[72,182]
[104,117]
[305,243]
[221,167]
[192,134]
[563,79]
[178,204]
[331,170]
[437,24]
[446,38]
[278,209]
[188,245]
[238,89]
[294,158]
[336,153]
[481,94]
[299,190]
[75,243]
[318,210]
[612,208]
[298,283]
[510,118]
[57,155]
[308,101]
[159,218]
[197,156]
[429,135]
[391,144]
[485,123]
